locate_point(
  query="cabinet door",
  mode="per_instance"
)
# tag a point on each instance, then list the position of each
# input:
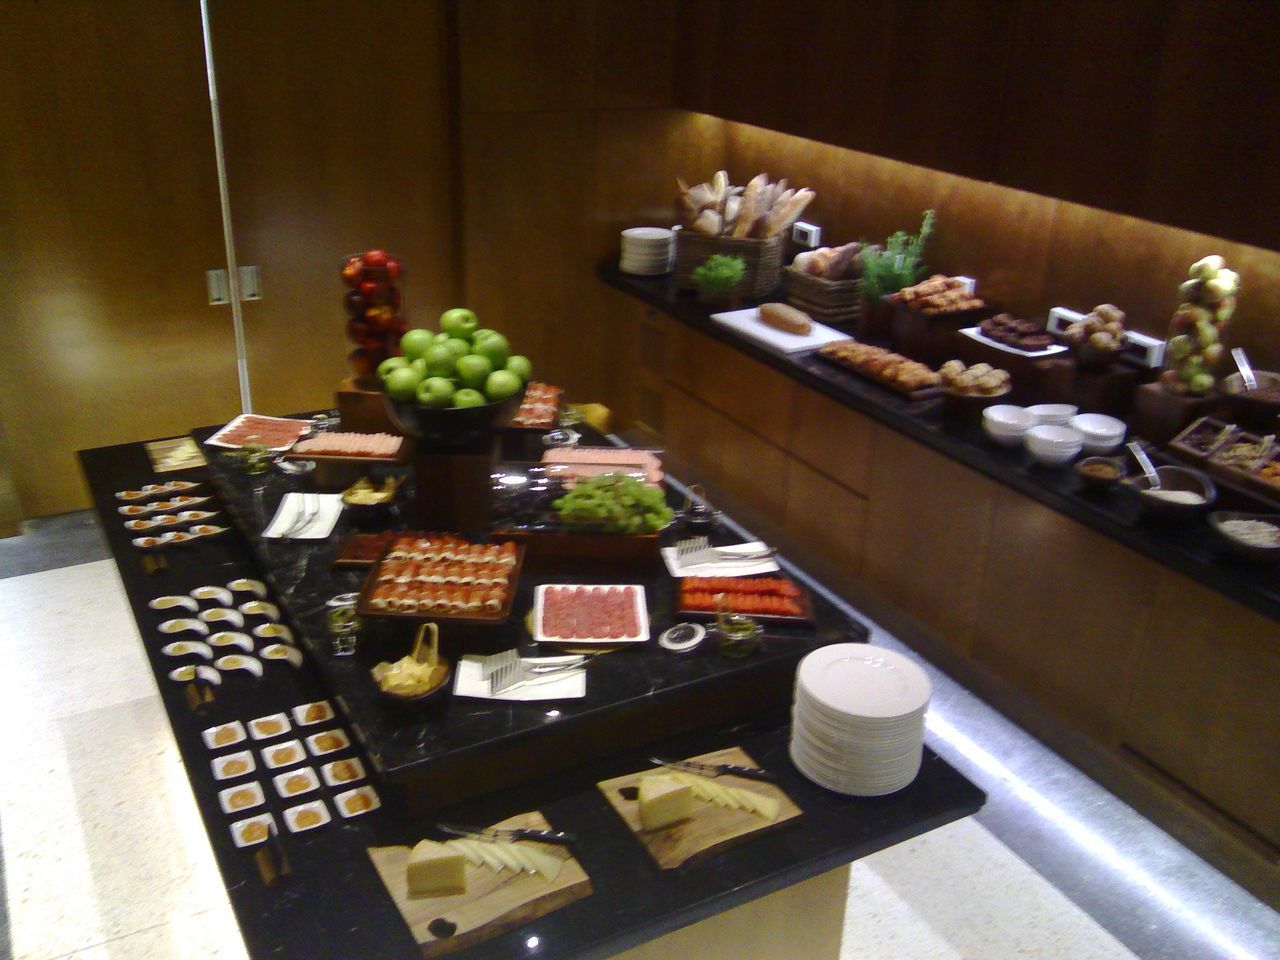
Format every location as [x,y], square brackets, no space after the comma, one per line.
[1061,614]
[109,200]
[928,524]
[1204,703]
[828,520]
[833,439]
[335,142]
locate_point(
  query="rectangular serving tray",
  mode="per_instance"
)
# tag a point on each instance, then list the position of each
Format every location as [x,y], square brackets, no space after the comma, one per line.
[804,600]
[366,609]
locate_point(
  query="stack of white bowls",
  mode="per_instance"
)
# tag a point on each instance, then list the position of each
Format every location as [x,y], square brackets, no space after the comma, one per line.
[857,725]
[1053,414]
[1006,424]
[1052,444]
[647,251]
[1102,434]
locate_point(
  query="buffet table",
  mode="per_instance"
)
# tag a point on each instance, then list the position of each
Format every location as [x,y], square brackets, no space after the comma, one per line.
[333,904]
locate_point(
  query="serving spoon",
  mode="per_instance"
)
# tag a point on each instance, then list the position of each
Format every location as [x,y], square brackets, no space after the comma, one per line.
[1246,369]
[1148,468]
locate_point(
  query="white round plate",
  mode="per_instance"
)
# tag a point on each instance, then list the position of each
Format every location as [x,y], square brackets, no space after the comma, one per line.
[859,680]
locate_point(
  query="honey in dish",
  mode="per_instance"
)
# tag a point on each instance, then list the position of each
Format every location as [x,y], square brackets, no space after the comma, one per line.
[329,741]
[254,832]
[224,735]
[269,726]
[344,770]
[315,713]
[297,783]
[358,802]
[232,767]
[283,755]
[241,798]
[307,818]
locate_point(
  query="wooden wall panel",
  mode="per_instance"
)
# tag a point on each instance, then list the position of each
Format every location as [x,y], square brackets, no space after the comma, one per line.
[1060,615]
[340,145]
[833,439]
[1204,702]
[108,196]
[827,518]
[928,529]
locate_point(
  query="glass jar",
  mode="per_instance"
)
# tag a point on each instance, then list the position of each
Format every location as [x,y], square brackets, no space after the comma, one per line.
[343,622]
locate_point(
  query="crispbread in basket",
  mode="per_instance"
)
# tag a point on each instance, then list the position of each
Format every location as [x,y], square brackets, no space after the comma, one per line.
[763,259]
[837,302]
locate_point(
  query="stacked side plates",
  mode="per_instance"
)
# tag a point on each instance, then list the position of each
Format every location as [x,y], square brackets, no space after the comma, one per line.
[857,725]
[647,251]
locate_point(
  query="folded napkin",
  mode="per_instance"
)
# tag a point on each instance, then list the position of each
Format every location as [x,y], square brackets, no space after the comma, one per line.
[470,682]
[723,568]
[305,516]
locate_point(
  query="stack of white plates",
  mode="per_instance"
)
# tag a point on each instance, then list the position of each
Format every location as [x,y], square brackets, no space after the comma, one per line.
[648,251]
[857,725]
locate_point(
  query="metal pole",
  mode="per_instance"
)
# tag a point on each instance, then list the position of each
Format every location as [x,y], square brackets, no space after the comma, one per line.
[228,236]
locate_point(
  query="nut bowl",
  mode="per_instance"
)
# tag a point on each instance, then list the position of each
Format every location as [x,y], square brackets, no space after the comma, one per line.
[1234,528]
[1100,473]
[1246,406]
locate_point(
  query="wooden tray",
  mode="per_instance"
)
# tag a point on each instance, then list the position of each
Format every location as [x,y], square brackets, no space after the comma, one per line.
[366,609]
[804,600]
[362,550]
[610,548]
[923,393]
[710,828]
[1187,452]
[493,904]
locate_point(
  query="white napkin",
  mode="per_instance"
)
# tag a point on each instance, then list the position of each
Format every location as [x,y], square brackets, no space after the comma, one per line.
[569,685]
[722,568]
[326,508]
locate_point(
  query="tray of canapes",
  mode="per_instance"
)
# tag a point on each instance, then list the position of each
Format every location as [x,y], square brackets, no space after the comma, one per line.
[769,599]
[154,491]
[441,576]
[900,374]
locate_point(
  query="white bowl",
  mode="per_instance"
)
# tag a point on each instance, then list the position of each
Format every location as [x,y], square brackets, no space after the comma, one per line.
[1054,444]
[1006,423]
[1102,434]
[1058,414]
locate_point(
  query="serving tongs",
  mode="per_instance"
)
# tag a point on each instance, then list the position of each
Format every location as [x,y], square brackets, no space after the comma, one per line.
[715,769]
[508,670]
[508,834]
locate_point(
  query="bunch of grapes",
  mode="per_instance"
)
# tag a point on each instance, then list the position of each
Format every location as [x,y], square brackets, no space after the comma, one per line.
[374,323]
[615,503]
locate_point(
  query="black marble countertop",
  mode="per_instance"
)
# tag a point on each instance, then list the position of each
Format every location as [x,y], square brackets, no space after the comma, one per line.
[622,686]
[334,906]
[1189,547]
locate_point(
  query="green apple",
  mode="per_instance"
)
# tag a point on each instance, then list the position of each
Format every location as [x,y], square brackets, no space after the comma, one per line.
[415,342]
[420,366]
[458,347]
[466,397]
[502,384]
[402,383]
[473,370]
[495,347]
[459,322]
[435,392]
[520,366]
[439,361]
[389,364]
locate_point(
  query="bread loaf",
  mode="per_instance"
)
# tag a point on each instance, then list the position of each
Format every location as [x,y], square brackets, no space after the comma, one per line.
[786,318]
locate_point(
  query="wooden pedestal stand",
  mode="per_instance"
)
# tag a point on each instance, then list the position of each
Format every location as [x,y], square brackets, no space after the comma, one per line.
[1159,415]
[453,487]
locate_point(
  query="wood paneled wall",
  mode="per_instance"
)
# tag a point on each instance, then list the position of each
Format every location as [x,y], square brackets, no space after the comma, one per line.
[109,207]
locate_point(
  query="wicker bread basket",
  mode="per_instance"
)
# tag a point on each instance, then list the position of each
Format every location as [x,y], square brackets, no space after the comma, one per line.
[833,302]
[763,259]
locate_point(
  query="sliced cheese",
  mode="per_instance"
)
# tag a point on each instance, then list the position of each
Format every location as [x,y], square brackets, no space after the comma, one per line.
[537,860]
[468,849]
[734,798]
[436,870]
[664,800]
[504,853]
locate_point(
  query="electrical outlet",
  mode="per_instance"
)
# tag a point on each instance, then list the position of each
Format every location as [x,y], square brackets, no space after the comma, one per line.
[250,285]
[219,287]
[808,235]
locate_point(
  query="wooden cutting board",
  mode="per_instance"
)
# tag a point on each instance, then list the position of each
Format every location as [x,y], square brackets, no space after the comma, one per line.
[494,903]
[711,827]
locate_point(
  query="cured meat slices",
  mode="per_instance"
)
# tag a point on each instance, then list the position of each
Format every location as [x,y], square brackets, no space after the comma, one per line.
[754,596]
[592,613]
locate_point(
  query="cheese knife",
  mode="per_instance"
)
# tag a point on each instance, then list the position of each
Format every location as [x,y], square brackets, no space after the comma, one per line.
[507,835]
[715,769]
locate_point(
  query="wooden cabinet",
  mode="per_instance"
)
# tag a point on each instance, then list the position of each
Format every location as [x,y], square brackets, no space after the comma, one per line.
[1061,614]
[832,439]
[828,518]
[1204,702]
[928,525]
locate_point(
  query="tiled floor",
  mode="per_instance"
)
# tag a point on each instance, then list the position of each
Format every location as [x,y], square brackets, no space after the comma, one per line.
[105,857]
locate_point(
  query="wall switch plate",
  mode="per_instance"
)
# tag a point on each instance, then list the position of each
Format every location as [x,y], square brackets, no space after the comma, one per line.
[808,235]
[250,284]
[219,287]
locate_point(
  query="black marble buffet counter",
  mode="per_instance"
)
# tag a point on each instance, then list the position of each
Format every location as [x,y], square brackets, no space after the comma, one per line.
[1191,548]
[333,905]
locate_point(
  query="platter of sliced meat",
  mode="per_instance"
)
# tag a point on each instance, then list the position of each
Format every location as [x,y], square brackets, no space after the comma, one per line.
[599,613]
[274,433]
[767,599]
[441,576]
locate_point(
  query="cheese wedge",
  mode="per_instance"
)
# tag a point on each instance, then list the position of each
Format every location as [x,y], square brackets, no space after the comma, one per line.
[436,870]
[664,801]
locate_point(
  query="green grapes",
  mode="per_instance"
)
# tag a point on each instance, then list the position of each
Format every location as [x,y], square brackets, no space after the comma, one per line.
[615,503]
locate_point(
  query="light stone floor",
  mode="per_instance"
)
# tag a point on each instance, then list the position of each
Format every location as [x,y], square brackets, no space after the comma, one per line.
[106,858]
